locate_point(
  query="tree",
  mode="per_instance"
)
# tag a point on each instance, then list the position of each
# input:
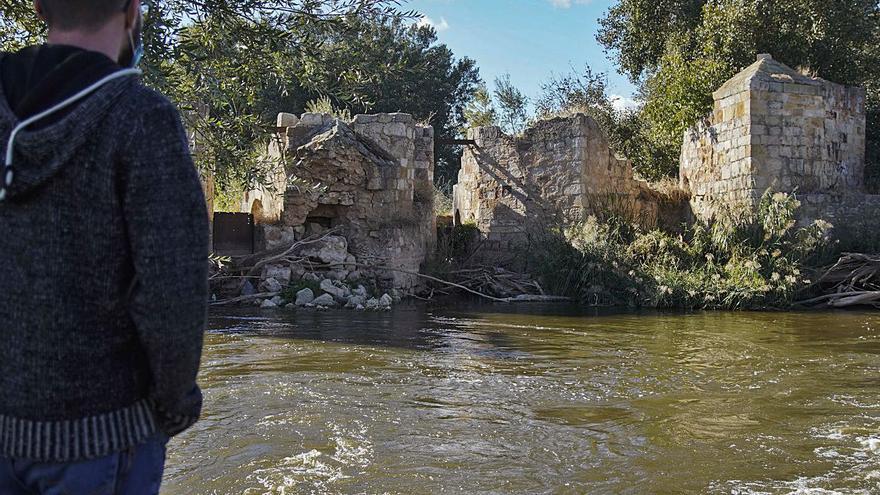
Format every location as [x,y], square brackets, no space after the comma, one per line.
[480,112]
[390,65]
[231,56]
[512,106]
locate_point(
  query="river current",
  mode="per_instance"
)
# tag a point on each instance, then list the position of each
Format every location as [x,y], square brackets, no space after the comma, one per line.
[495,399]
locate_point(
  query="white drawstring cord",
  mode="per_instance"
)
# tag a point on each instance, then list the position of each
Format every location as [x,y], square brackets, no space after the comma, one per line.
[9,175]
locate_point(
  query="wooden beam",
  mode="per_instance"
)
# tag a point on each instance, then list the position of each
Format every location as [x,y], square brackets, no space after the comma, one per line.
[456,142]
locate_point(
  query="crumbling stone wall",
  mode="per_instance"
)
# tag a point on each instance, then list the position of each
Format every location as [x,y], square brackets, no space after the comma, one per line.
[366,179]
[559,170]
[774,128]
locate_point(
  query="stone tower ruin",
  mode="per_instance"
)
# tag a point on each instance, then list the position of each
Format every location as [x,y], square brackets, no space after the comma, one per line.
[774,128]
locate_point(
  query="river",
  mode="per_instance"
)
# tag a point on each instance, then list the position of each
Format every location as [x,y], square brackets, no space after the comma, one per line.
[494,399]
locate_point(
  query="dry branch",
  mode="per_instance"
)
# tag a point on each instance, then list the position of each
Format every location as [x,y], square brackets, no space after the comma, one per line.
[853,281]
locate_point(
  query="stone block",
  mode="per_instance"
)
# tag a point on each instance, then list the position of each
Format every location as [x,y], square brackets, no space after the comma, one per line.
[312,119]
[287,120]
[362,119]
[396,129]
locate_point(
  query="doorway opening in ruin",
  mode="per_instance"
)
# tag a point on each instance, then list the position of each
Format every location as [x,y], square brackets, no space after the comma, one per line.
[257,211]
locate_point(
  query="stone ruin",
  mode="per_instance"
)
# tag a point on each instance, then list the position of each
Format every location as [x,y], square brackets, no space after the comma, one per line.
[558,171]
[370,180]
[774,128]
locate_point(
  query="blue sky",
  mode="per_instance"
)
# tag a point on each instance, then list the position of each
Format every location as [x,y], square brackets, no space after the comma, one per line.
[529,39]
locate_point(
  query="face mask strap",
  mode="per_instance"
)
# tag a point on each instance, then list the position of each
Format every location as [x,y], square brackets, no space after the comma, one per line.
[137,49]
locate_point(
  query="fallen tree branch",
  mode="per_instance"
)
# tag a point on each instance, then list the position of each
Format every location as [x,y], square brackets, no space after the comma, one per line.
[416,274]
[836,295]
[263,295]
[263,261]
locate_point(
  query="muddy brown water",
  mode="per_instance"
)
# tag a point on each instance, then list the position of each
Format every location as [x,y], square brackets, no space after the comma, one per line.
[486,399]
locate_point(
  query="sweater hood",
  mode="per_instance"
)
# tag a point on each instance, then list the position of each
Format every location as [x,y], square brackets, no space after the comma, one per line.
[61,109]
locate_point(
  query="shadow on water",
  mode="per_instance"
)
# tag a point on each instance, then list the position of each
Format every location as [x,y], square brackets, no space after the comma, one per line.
[420,326]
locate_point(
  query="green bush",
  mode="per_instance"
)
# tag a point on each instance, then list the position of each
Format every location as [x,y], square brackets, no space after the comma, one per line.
[747,258]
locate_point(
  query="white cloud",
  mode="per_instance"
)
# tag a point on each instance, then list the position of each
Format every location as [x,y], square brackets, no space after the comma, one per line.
[565,4]
[622,103]
[438,26]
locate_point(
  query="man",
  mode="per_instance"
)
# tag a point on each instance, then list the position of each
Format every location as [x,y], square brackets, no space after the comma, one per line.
[103,261]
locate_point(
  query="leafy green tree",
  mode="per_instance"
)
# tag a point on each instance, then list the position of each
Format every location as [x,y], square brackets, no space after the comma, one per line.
[576,92]
[480,112]
[247,60]
[513,106]
[389,65]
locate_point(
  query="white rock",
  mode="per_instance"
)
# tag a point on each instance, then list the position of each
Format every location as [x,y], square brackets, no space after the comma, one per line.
[305,296]
[280,273]
[277,300]
[325,300]
[297,272]
[287,119]
[334,290]
[360,290]
[360,308]
[247,288]
[271,285]
[373,303]
[355,301]
[385,301]
[268,304]
[331,250]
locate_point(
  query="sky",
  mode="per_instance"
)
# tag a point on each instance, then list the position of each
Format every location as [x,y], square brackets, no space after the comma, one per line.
[529,39]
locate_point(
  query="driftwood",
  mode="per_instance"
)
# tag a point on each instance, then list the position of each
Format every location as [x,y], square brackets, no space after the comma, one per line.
[498,282]
[281,254]
[416,274]
[853,281]
[263,295]
[494,284]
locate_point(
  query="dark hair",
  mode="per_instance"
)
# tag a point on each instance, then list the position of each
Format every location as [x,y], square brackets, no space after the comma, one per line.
[81,14]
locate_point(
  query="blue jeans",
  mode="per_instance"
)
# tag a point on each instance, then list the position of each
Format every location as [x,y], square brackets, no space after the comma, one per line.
[136,471]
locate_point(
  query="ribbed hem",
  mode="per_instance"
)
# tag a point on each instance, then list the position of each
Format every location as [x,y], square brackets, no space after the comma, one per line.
[76,439]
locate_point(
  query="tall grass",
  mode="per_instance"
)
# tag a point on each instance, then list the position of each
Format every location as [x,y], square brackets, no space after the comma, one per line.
[747,258]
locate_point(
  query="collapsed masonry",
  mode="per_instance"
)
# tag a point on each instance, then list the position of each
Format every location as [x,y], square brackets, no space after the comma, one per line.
[558,171]
[370,180]
[774,128]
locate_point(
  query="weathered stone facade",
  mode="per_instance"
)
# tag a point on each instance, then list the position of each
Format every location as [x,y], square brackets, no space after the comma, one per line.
[775,129]
[559,170]
[371,180]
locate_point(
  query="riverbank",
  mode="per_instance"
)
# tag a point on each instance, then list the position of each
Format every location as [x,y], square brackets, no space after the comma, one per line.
[745,258]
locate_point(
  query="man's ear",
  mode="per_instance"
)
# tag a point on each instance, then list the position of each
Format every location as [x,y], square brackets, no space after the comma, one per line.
[131,15]
[38,7]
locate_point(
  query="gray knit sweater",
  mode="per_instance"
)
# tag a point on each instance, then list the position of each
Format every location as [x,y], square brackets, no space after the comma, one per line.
[103,278]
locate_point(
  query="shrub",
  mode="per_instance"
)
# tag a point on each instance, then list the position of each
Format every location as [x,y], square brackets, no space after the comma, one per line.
[746,258]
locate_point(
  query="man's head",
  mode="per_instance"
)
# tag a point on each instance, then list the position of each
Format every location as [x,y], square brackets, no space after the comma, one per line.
[110,22]
[84,15]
